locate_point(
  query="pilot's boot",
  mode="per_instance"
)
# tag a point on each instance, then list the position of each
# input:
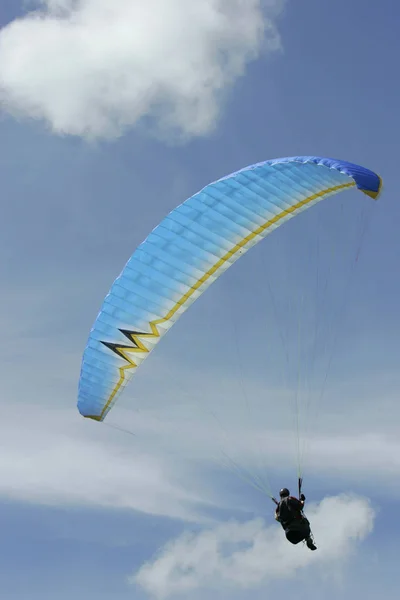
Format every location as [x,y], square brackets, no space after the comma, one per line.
[310,543]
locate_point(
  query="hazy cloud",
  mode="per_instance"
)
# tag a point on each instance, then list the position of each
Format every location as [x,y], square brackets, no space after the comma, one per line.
[54,457]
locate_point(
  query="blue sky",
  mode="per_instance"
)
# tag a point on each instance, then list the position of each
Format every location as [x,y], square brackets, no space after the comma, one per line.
[91,512]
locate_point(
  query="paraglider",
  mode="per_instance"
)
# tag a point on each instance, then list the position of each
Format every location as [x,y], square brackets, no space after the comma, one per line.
[289,513]
[189,250]
[191,247]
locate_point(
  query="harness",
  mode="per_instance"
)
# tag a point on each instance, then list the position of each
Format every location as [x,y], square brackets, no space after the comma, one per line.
[287,514]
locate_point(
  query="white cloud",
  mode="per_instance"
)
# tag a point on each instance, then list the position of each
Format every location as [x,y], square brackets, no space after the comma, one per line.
[247,555]
[94,68]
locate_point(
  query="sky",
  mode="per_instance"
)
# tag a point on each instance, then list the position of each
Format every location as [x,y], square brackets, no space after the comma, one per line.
[112,115]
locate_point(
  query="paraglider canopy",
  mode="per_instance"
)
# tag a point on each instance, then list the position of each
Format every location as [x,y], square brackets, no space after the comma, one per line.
[197,242]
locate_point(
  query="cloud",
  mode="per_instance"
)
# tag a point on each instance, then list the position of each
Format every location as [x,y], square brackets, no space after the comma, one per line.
[53,457]
[95,68]
[173,466]
[246,555]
